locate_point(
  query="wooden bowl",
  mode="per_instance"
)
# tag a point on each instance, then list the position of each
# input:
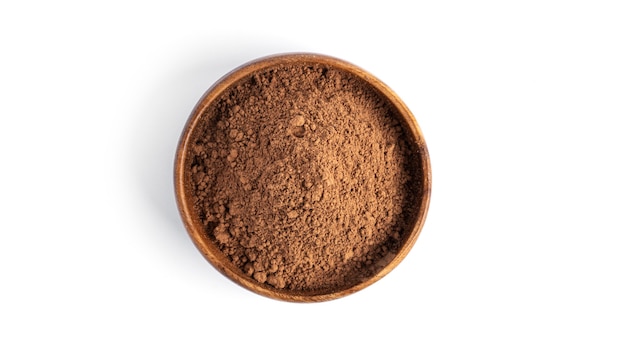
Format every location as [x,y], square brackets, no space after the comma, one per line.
[208,245]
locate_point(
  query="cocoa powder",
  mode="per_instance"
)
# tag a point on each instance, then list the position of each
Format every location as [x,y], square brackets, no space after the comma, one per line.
[303,177]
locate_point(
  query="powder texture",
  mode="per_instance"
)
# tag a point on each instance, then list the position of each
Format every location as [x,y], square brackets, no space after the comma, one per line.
[303,177]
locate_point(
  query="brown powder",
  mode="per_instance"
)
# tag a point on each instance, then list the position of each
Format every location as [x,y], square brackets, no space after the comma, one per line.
[303,177]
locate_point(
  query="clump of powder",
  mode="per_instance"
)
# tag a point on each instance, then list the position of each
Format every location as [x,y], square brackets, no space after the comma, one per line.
[303,177]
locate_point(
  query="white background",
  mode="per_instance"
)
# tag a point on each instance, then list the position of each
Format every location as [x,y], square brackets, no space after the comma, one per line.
[523,106]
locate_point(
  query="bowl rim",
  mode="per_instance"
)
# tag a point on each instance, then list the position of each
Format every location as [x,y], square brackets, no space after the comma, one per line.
[212,253]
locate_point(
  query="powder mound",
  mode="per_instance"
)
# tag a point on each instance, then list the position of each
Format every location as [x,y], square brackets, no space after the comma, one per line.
[303,177]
